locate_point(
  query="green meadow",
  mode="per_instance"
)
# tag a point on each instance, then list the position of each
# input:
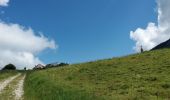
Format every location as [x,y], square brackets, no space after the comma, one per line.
[144,76]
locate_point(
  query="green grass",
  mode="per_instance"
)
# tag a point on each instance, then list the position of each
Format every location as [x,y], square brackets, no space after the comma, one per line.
[6,74]
[143,76]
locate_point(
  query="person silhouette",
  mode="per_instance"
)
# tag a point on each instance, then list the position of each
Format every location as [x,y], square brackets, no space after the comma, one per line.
[141,49]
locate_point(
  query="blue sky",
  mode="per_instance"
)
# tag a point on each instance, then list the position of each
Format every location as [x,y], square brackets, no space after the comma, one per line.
[84,30]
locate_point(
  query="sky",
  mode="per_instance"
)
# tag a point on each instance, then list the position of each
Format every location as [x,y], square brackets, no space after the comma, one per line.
[75,31]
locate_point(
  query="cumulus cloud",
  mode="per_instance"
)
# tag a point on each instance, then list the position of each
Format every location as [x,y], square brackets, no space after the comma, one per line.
[154,34]
[4,2]
[20,45]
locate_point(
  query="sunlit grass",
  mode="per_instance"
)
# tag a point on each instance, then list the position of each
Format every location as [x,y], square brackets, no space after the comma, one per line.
[143,76]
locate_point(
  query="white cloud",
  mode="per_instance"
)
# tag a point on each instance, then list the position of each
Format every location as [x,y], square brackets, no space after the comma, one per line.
[19,45]
[154,34]
[4,2]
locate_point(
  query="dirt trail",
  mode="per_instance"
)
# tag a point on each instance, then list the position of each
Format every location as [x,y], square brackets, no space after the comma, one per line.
[19,91]
[4,83]
[13,88]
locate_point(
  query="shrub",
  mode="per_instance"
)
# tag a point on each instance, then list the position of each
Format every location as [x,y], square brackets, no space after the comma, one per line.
[9,67]
[56,65]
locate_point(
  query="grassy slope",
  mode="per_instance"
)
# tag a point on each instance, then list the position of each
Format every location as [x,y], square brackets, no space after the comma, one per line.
[143,76]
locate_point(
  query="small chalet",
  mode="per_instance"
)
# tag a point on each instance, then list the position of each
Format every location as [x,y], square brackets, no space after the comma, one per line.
[39,66]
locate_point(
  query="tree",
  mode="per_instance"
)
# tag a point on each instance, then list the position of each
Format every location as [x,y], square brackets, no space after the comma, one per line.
[63,64]
[9,67]
[56,65]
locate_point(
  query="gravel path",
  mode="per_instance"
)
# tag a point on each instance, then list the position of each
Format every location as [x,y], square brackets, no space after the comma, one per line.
[4,83]
[19,91]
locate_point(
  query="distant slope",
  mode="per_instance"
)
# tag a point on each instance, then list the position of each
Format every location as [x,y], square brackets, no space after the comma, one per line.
[143,76]
[165,44]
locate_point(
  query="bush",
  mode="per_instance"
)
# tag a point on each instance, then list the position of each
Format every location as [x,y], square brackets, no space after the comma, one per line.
[63,64]
[56,65]
[9,67]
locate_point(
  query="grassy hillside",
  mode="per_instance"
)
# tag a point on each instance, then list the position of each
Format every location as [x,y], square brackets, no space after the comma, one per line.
[143,76]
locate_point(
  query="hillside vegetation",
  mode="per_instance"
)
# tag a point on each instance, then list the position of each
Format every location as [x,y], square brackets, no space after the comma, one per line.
[143,76]
[6,74]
